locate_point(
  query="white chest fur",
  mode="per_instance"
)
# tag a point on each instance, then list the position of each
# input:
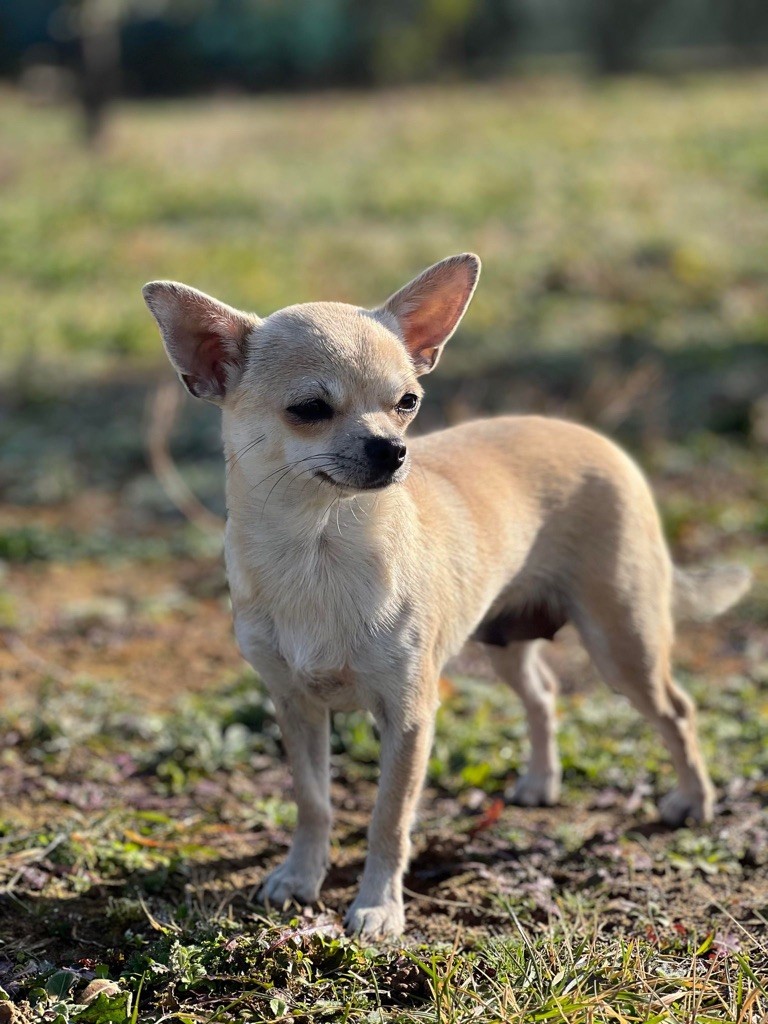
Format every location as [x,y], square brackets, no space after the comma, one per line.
[315,600]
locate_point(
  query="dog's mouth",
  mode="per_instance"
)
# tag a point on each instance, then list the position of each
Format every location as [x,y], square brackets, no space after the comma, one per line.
[371,485]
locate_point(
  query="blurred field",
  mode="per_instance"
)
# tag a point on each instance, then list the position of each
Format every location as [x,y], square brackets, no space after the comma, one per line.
[624,232]
[633,208]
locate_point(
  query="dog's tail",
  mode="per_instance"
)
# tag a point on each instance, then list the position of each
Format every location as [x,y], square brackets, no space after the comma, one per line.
[702,594]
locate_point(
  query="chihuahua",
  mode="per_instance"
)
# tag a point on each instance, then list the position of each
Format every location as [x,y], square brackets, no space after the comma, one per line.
[359,563]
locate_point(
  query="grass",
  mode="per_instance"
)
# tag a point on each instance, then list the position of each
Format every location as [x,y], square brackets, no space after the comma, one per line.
[151,833]
[623,228]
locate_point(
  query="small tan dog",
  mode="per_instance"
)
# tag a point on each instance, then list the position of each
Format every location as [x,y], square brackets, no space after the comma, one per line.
[358,566]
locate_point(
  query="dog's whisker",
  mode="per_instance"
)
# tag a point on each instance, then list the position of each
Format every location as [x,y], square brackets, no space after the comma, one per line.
[274,485]
[235,458]
[292,465]
[352,510]
[309,476]
[325,516]
[311,469]
[312,474]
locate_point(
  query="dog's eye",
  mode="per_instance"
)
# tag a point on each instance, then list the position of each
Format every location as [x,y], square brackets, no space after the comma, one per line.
[408,403]
[312,411]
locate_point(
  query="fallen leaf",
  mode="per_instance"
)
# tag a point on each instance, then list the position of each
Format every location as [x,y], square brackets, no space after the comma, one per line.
[489,818]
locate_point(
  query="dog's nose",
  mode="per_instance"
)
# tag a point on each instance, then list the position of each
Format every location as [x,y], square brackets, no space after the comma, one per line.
[385,453]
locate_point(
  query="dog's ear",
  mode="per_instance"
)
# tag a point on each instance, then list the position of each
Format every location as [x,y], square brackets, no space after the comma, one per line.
[204,339]
[428,309]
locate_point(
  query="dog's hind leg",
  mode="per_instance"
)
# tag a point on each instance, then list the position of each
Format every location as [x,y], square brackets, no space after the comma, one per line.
[522,667]
[632,653]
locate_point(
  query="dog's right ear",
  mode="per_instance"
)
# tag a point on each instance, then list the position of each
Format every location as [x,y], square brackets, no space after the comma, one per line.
[204,338]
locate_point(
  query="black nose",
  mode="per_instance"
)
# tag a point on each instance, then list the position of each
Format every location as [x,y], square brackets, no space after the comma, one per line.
[385,453]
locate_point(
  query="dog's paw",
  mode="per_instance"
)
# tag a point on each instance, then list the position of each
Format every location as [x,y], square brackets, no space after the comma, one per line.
[384,921]
[677,807]
[533,790]
[287,884]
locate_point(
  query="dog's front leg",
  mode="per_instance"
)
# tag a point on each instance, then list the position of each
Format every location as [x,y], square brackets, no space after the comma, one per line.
[378,910]
[305,732]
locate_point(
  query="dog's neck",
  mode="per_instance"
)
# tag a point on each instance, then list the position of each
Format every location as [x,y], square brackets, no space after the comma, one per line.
[318,567]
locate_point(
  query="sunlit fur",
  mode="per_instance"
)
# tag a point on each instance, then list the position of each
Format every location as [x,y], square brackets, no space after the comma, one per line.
[347,597]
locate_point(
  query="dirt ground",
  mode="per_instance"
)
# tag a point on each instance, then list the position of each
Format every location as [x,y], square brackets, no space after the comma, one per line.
[127,819]
[161,631]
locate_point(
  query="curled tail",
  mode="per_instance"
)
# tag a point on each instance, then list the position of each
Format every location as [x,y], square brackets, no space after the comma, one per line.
[703,594]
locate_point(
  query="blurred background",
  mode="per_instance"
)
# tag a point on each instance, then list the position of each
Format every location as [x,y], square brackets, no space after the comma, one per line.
[608,160]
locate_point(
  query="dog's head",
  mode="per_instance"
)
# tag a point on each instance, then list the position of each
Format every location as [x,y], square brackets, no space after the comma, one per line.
[325,390]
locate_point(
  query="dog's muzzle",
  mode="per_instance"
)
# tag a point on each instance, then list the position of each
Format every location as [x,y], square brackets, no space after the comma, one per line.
[384,462]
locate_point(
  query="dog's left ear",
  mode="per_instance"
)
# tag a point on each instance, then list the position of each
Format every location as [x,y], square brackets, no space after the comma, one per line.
[429,309]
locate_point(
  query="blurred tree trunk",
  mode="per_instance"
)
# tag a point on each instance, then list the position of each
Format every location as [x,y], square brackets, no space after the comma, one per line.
[744,24]
[615,29]
[100,63]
